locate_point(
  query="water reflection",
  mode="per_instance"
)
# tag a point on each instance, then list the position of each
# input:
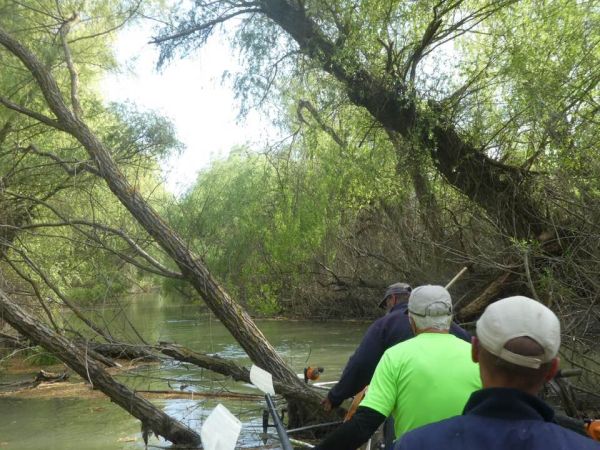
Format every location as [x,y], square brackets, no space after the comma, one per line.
[70,424]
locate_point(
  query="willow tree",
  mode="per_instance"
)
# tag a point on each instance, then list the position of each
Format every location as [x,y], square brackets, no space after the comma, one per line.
[490,91]
[56,100]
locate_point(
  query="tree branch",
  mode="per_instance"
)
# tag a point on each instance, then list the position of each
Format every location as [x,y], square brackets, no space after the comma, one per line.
[37,292]
[63,31]
[60,295]
[132,12]
[205,26]
[304,104]
[34,115]
[77,168]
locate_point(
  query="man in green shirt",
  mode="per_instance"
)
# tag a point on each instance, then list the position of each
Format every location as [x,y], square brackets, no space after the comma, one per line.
[419,381]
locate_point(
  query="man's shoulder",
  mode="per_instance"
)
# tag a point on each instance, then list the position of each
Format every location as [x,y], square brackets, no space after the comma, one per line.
[396,314]
[469,432]
[395,320]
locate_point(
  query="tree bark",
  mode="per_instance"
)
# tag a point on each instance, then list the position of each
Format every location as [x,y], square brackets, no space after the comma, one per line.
[77,359]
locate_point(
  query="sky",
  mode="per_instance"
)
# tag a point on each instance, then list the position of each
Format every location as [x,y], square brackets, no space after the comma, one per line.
[190,93]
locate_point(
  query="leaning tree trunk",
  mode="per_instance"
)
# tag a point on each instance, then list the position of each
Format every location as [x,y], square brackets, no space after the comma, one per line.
[229,312]
[501,190]
[152,418]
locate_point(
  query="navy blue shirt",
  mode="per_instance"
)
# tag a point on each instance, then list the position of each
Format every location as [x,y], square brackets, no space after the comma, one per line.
[384,333]
[498,419]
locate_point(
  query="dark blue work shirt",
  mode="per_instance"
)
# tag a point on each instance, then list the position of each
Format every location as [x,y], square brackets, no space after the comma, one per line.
[498,419]
[384,333]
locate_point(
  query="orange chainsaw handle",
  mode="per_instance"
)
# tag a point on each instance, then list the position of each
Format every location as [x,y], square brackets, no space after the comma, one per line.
[592,428]
[355,402]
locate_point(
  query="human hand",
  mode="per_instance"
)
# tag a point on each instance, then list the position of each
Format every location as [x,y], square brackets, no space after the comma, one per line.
[326,404]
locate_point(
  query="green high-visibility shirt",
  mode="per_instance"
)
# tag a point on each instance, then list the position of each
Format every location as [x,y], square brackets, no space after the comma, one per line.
[422,380]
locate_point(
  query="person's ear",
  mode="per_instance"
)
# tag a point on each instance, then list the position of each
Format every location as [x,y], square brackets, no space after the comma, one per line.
[413,327]
[475,349]
[553,369]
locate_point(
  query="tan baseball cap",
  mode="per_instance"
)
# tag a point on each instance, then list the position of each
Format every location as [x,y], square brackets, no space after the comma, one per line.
[514,317]
[430,300]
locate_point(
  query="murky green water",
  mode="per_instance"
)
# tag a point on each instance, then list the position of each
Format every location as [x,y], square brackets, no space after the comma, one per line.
[67,424]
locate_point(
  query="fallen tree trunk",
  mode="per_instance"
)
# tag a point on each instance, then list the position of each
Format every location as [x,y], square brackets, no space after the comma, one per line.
[475,307]
[298,395]
[119,350]
[238,373]
[77,359]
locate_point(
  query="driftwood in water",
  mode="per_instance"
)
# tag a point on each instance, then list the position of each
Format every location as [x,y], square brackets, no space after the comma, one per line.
[108,362]
[44,376]
[152,418]
[41,377]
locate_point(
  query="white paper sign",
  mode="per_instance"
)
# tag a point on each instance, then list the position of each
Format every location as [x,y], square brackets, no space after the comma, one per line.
[220,430]
[262,380]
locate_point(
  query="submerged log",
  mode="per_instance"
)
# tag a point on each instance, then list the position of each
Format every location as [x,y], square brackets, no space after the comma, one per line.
[76,358]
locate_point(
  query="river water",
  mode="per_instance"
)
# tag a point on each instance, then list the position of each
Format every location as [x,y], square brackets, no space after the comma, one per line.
[67,423]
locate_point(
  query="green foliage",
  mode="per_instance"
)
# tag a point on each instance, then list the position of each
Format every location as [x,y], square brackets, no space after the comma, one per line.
[65,224]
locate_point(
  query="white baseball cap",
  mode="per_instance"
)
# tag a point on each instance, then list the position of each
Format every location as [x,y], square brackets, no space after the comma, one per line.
[430,300]
[515,317]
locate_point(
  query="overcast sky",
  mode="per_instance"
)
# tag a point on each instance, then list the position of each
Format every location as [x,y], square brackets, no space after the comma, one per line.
[190,93]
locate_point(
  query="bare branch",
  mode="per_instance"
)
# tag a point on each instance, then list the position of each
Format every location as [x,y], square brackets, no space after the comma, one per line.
[34,115]
[132,12]
[205,26]
[73,168]
[60,295]
[63,31]
[36,289]
[6,129]
[156,267]
[304,104]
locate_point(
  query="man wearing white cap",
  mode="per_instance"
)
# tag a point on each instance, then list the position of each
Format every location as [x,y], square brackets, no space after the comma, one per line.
[384,333]
[517,350]
[418,381]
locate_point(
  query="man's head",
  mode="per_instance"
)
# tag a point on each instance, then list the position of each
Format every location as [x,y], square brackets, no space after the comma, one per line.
[430,308]
[517,344]
[394,294]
